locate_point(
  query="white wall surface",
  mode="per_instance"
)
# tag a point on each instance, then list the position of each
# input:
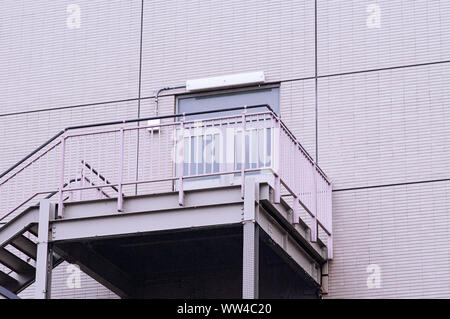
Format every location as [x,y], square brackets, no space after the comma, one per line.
[374,128]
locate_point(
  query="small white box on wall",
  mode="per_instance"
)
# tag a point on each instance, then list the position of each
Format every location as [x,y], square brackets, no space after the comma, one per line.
[155,125]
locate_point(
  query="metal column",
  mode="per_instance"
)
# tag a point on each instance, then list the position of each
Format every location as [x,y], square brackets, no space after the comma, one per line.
[250,254]
[44,260]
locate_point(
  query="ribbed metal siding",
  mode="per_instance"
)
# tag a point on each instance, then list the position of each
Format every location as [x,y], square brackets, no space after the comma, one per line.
[385,127]
[189,39]
[374,128]
[297,104]
[405,230]
[381,128]
[47,65]
[411,32]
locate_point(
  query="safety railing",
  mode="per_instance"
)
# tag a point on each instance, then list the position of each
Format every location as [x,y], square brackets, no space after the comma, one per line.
[125,158]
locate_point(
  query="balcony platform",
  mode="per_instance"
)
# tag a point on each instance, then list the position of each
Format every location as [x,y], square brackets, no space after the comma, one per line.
[226,246]
[241,210]
[211,226]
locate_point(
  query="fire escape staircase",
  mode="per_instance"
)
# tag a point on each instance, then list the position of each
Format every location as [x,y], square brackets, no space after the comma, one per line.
[181,152]
[19,238]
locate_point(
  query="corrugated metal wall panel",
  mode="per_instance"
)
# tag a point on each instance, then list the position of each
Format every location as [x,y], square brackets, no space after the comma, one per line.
[190,39]
[297,105]
[405,230]
[374,128]
[410,32]
[47,65]
[385,127]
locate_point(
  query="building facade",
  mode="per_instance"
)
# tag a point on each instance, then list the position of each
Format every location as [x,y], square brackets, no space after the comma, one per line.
[362,84]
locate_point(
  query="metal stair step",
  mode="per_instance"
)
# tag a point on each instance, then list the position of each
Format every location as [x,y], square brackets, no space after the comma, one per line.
[15,263]
[25,245]
[6,293]
[34,230]
[7,281]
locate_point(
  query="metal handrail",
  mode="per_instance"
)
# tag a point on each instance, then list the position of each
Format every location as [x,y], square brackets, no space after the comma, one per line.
[98,124]
[53,193]
[291,167]
[76,127]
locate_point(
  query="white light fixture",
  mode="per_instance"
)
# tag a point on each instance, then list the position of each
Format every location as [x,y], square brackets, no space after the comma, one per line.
[225,81]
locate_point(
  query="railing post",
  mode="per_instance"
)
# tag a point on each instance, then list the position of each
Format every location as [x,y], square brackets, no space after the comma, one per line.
[296,205]
[330,222]
[244,159]
[314,211]
[1,204]
[44,259]
[61,180]
[181,164]
[82,176]
[276,160]
[250,242]
[120,182]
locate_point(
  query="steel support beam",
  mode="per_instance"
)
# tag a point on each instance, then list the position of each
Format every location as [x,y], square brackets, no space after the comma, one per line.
[250,261]
[44,261]
[18,225]
[132,223]
[283,242]
[99,268]
[325,274]
[299,231]
[159,202]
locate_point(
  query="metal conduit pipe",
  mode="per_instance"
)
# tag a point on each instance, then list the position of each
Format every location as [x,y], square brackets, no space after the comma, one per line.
[167,88]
